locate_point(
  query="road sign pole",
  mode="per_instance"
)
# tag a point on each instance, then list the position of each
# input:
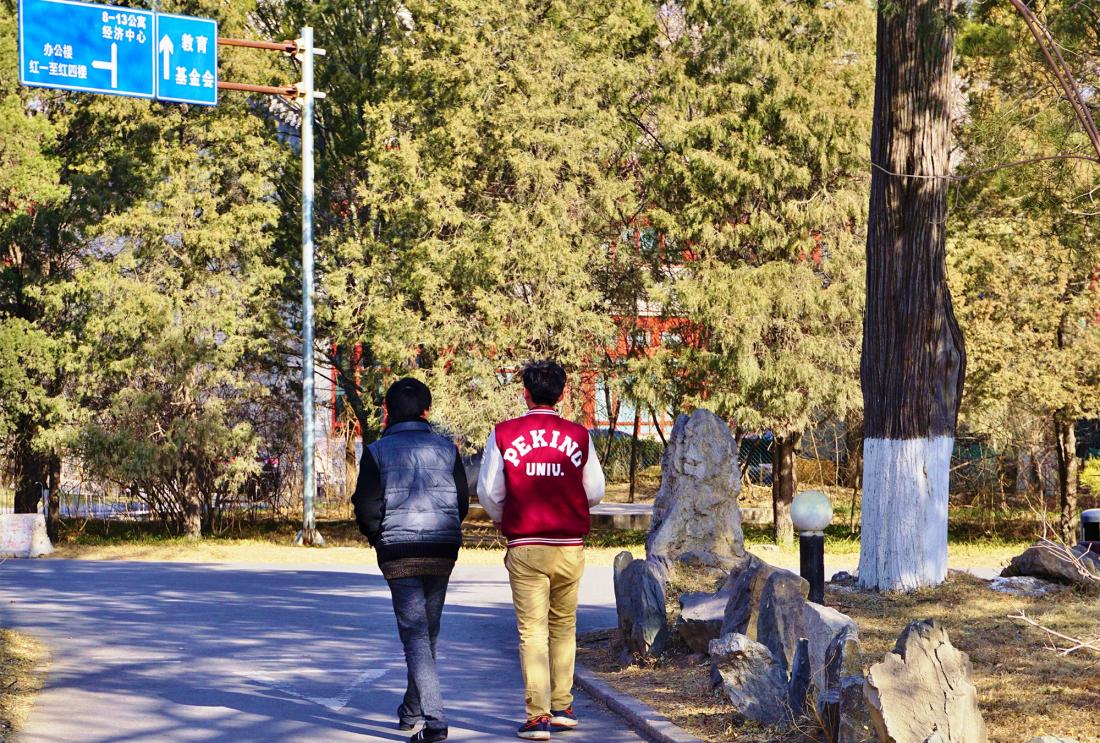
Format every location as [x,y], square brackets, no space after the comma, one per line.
[309,534]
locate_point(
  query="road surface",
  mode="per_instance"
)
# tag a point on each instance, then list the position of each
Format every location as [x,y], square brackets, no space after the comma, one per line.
[184,652]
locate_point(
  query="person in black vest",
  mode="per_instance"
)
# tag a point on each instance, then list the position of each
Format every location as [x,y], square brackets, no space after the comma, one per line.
[410,500]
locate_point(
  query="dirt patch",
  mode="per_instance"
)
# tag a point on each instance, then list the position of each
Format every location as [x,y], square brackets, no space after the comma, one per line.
[1026,686]
[23,664]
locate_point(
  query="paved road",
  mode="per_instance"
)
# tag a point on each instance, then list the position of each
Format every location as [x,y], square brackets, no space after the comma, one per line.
[173,652]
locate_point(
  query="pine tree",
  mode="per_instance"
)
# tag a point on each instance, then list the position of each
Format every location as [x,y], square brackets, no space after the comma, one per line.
[753,135]
[473,187]
[1024,255]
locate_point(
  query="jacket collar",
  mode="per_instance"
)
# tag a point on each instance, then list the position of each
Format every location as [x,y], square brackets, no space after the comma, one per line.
[541,411]
[407,425]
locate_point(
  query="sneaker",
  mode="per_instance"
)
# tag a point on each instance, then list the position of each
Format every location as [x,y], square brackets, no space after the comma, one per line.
[408,727]
[564,719]
[537,728]
[429,735]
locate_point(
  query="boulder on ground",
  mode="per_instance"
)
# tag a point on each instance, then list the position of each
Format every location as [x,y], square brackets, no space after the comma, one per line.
[751,677]
[923,687]
[696,519]
[822,625]
[779,613]
[1055,561]
[1026,585]
[745,585]
[640,604]
[701,616]
[1051,739]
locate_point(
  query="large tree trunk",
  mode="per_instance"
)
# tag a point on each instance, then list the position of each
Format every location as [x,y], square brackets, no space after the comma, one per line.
[192,515]
[32,471]
[913,358]
[53,510]
[784,485]
[853,447]
[1066,437]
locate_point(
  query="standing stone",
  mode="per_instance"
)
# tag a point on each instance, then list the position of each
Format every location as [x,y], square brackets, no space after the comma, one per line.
[696,519]
[799,685]
[779,622]
[640,604]
[821,625]
[843,712]
[752,679]
[923,687]
[843,657]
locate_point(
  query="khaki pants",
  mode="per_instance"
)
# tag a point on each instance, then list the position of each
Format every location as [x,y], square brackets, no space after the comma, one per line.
[544,590]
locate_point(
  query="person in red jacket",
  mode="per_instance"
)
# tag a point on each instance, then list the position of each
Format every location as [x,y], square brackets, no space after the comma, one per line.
[539,477]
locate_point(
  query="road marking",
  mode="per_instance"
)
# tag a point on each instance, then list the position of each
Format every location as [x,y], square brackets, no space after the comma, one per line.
[333,703]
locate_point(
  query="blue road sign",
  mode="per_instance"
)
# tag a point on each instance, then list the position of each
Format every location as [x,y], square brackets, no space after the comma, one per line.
[81,46]
[187,59]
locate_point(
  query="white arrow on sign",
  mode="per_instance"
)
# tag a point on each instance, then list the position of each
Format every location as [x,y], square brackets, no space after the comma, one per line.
[100,64]
[166,48]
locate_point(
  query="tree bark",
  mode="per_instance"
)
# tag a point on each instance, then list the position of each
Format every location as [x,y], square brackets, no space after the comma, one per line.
[32,471]
[192,516]
[853,445]
[913,360]
[784,485]
[1065,435]
[53,517]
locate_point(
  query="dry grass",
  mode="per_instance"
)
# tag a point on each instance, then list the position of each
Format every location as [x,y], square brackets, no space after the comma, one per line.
[265,553]
[23,662]
[1025,687]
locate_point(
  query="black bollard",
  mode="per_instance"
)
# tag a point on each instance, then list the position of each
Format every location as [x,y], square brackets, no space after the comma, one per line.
[811,560]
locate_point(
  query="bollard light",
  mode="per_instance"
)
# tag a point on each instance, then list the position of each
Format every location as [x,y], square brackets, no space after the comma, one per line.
[1090,529]
[811,512]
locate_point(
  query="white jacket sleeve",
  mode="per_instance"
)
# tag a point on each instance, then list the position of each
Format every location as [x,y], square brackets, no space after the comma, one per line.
[490,480]
[592,476]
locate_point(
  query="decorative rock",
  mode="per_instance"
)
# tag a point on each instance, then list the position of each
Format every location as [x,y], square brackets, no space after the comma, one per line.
[843,657]
[745,587]
[821,625]
[779,622]
[924,687]
[701,617]
[1025,585]
[23,535]
[1054,561]
[752,679]
[696,519]
[843,712]
[844,578]
[640,604]
[798,688]
[1051,739]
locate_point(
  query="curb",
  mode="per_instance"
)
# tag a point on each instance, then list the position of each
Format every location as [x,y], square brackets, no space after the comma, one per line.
[646,722]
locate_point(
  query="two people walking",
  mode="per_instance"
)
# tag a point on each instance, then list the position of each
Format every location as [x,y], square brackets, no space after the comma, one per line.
[539,477]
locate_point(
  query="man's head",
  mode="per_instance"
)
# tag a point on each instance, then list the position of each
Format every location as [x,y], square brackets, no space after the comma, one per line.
[407,398]
[544,382]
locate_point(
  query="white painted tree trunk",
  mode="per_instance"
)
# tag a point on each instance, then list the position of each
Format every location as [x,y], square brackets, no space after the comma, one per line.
[903,542]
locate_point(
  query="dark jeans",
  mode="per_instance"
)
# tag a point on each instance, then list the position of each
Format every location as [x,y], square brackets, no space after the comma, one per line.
[418,605]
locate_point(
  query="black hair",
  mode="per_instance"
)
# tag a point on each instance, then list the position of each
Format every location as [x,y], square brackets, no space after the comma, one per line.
[545,380]
[407,398]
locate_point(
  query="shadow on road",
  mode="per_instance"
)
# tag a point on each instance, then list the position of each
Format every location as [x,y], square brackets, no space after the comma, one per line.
[170,651]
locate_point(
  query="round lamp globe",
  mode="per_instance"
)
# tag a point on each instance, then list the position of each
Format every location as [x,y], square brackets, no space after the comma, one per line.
[811,510]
